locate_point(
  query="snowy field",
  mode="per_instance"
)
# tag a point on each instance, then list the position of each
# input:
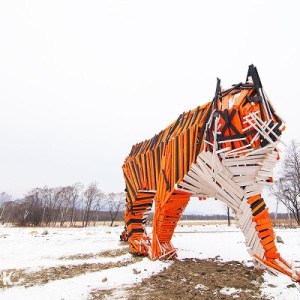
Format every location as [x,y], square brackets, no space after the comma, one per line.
[32,264]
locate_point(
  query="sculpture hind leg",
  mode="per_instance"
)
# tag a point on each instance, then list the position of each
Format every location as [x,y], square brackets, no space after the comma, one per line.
[136,215]
[167,213]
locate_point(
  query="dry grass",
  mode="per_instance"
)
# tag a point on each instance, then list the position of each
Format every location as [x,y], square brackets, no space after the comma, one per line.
[284,223]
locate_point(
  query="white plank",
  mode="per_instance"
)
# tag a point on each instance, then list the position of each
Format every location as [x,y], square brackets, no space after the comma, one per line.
[252,239]
[250,251]
[257,188]
[208,156]
[245,205]
[260,251]
[263,150]
[241,161]
[244,170]
[244,180]
[199,187]
[244,218]
[223,176]
[248,224]
[214,188]
[264,173]
[257,247]
[254,193]
[231,189]
[189,188]
[198,181]
[228,203]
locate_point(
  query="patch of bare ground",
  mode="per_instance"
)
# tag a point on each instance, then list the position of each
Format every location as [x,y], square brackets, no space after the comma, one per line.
[194,279]
[108,253]
[23,277]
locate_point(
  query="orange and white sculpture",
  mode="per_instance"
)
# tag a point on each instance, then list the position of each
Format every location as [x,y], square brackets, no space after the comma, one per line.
[225,149]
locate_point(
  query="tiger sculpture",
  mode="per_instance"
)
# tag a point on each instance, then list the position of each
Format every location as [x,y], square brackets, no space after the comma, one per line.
[225,149]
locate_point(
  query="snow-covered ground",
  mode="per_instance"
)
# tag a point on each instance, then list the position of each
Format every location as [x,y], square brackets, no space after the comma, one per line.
[28,249]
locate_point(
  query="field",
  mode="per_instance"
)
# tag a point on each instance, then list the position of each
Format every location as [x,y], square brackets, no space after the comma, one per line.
[92,263]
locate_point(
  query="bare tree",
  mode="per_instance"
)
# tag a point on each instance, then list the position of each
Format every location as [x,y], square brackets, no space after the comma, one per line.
[51,198]
[65,203]
[40,206]
[74,197]
[14,211]
[69,198]
[33,208]
[228,216]
[99,204]
[90,197]
[227,211]
[116,204]
[287,188]
[4,199]
[47,196]
[57,204]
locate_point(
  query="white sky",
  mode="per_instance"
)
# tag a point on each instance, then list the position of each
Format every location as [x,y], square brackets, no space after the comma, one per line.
[82,81]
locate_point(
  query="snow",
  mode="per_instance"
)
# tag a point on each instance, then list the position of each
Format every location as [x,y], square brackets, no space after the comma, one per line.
[27,248]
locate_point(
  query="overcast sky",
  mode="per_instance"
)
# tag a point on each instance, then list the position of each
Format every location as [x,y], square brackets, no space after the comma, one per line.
[82,81]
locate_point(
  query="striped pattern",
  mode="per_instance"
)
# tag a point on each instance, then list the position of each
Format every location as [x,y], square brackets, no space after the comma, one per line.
[226,149]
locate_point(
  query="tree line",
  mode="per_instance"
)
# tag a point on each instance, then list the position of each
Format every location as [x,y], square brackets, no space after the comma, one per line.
[70,205]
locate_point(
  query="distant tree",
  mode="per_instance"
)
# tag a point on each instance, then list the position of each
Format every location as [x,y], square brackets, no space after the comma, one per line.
[287,188]
[65,198]
[33,208]
[99,205]
[50,199]
[116,204]
[91,196]
[227,211]
[48,206]
[67,202]
[40,206]
[4,199]
[228,216]
[74,200]
[14,211]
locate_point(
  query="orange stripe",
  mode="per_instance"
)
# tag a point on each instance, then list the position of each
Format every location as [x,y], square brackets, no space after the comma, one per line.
[265,233]
[267,240]
[269,246]
[252,199]
[263,227]
[258,207]
[262,215]
[272,255]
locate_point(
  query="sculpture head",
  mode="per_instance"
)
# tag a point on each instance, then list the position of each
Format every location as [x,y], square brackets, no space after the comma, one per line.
[241,118]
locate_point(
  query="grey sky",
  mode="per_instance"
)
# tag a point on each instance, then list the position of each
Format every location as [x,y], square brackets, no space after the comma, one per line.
[82,81]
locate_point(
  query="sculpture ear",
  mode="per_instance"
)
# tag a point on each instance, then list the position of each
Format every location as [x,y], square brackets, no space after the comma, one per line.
[217,93]
[253,76]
